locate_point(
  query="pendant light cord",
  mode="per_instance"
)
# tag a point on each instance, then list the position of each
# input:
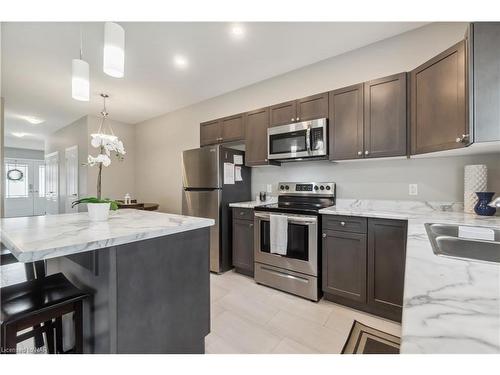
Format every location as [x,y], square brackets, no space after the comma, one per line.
[81,43]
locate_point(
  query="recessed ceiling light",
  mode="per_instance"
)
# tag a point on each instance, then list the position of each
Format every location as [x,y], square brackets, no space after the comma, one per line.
[180,61]
[19,135]
[237,31]
[33,120]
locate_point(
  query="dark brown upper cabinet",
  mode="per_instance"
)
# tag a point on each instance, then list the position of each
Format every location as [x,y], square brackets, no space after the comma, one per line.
[346,123]
[210,132]
[256,125]
[439,102]
[312,107]
[233,128]
[385,125]
[305,109]
[225,129]
[283,113]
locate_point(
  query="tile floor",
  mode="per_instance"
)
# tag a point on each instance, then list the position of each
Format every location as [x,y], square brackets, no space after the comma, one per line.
[251,318]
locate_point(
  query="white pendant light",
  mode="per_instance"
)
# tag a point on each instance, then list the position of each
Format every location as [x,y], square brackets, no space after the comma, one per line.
[114,50]
[80,82]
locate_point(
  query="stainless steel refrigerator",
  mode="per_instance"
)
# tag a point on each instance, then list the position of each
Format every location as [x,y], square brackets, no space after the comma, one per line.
[208,188]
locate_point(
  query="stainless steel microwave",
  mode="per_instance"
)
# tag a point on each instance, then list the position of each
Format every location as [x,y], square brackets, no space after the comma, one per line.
[301,140]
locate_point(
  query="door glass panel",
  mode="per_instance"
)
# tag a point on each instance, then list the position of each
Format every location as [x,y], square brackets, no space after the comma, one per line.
[297,246]
[16,180]
[41,181]
[288,142]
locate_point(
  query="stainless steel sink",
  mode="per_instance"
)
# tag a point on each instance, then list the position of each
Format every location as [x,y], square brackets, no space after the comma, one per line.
[446,241]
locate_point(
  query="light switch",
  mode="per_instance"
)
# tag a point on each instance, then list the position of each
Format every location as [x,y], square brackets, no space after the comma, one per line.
[413,189]
[269,188]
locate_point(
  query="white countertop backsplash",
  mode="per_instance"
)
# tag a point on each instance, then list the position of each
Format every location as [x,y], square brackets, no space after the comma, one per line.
[50,236]
[450,305]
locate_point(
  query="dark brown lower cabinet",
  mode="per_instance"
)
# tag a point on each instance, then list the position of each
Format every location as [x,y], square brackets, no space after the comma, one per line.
[386,266]
[345,251]
[243,230]
[364,268]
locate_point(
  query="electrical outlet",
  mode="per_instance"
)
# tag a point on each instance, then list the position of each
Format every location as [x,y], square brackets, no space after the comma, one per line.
[413,189]
[269,188]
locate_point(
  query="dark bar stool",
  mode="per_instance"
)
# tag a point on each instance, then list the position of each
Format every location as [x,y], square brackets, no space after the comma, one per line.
[42,300]
[6,258]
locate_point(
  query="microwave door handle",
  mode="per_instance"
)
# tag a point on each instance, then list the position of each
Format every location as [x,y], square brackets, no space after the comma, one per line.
[308,138]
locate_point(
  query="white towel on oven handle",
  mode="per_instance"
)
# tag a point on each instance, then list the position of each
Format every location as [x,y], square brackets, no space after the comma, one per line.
[278,233]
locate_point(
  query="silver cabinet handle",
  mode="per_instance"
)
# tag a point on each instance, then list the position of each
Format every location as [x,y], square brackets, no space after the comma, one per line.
[462,139]
[297,119]
[323,235]
[342,223]
[366,152]
[360,153]
[251,225]
[293,119]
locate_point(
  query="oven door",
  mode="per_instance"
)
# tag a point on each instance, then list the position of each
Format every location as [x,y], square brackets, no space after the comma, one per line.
[300,140]
[302,248]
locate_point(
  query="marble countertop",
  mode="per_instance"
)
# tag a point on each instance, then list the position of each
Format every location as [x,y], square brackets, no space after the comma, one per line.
[253,204]
[450,305]
[44,237]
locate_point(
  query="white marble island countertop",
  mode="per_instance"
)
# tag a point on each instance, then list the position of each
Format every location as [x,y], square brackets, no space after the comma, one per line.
[44,237]
[450,305]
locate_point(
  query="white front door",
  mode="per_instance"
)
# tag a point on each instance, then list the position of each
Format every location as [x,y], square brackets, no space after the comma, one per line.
[71,162]
[52,183]
[39,200]
[22,187]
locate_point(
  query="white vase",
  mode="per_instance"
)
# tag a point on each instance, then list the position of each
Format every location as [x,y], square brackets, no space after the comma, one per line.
[98,211]
[475,179]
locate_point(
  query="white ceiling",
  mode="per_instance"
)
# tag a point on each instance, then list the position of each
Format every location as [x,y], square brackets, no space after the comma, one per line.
[36,65]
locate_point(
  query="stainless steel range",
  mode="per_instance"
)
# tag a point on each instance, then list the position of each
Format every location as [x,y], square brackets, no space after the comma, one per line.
[287,238]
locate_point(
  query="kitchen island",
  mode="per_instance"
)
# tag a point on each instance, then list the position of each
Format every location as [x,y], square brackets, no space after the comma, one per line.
[147,273]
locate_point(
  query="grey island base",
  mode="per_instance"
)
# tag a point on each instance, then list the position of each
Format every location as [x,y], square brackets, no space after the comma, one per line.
[149,294]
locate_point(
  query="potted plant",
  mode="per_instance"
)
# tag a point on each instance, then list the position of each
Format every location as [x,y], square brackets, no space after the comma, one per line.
[107,144]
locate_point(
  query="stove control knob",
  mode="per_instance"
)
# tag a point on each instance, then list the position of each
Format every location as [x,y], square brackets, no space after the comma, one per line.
[322,187]
[316,187]
[287,187]
[282,187]
[328,188]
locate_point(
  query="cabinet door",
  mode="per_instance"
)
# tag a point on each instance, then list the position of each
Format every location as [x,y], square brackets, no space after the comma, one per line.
[312,107]
[344,264]
[439,102]
[385,117]
[386,266]
[256,124]
[233,128]
[210,132]
[346,123]
[243,258]
[486,81]
[283,113]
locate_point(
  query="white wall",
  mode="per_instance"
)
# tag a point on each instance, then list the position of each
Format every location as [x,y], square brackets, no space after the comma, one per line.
[119,178]
[161,140]
[73,134]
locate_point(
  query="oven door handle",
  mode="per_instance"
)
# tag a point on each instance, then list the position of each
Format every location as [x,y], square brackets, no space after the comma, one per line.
[291,219]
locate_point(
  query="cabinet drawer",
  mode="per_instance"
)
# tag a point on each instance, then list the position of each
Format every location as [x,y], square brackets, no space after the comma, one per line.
[345,223]
[242,213]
